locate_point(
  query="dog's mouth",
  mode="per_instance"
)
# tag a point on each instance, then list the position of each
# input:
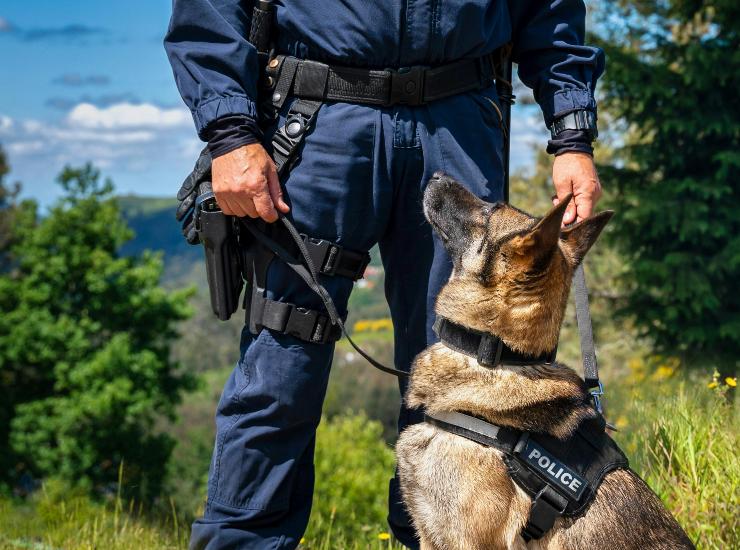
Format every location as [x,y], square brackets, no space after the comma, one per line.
[441,232]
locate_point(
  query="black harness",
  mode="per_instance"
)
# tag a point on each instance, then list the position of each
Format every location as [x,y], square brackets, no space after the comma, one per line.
[561,476]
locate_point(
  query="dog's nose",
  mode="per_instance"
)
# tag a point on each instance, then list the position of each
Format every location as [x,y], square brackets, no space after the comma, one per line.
[439,178]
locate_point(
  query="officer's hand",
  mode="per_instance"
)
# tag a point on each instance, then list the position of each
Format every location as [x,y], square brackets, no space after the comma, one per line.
[575,173]
[246,184]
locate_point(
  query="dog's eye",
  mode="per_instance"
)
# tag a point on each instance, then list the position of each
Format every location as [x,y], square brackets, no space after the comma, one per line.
[492,207]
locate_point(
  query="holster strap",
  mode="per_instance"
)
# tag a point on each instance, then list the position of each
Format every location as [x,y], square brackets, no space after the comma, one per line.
[305,324]
[329,258]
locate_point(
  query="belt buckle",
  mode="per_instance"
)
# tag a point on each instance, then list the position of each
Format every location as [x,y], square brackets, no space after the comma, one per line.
[407,86]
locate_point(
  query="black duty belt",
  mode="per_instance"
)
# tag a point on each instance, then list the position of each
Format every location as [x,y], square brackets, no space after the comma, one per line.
[410,86]
[561,476]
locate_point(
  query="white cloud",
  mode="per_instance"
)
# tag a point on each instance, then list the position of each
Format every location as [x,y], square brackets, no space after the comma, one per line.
[144,148]
[6,123]
[127,115]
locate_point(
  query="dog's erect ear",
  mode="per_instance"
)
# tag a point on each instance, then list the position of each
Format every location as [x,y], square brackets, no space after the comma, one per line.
[578,239]
[542,239]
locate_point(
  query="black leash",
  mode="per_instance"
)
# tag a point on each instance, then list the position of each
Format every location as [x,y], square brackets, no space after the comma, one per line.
[305,268]
[307,271]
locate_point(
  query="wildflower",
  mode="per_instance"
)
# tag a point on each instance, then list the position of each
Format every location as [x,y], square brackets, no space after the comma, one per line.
[303,540]
[713,384]
[663,372]
[384,536]
[732,382]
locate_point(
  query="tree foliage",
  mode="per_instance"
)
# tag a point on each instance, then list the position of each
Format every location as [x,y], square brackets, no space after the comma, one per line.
[672,79]
[85,337]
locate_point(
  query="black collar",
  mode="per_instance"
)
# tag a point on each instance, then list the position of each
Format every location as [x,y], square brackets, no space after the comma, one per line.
[487,348]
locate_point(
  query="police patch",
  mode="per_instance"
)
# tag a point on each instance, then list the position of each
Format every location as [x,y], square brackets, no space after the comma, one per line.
[558,474]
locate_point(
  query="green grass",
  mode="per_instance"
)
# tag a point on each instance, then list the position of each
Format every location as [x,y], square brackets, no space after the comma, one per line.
[680,436]
[55,518]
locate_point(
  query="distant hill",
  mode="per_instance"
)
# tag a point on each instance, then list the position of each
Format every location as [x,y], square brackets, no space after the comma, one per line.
[153,221]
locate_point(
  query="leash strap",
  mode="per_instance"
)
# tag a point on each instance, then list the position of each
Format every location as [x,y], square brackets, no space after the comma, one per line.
[585,331]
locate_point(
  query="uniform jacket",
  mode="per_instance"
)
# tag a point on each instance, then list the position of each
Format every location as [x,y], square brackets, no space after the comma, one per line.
[216,69]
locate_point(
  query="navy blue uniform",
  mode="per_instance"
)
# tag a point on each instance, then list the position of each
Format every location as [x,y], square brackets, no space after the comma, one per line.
[359,182]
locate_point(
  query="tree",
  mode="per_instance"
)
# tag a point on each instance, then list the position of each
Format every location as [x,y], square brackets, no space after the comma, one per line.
[85,337]
[673,72]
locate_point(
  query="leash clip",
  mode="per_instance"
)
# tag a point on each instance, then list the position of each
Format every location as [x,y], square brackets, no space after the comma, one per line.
[596,394]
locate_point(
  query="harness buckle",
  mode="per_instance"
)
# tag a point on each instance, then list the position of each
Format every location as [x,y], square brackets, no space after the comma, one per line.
[407,86]
[324,254]
[547,506]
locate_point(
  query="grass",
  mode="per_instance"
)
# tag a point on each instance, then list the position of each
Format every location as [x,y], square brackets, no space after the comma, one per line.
[680,436]
[682,439]
[55,519]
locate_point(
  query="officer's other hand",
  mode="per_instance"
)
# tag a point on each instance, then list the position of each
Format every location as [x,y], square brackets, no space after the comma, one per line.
[246,184]
[576,173]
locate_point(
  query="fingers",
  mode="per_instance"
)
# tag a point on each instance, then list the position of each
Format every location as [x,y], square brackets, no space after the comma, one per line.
[575,173]
[276,192]
[564,187]
[265,207]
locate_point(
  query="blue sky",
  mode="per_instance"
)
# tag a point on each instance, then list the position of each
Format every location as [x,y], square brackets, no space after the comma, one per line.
[89,80]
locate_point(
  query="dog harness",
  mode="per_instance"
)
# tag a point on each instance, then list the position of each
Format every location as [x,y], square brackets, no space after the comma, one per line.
[561,476]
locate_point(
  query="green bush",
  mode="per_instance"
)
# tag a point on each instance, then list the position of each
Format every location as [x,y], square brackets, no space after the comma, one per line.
[353,467]
[85,346]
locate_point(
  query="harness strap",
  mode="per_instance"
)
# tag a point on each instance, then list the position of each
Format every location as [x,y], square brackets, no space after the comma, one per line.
[287,139]
[547,503]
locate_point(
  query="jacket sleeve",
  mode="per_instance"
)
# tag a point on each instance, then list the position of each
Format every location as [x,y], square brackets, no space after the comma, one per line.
[215,67]
[548,40]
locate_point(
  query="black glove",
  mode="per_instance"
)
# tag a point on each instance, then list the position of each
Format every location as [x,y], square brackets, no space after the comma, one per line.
[187,194]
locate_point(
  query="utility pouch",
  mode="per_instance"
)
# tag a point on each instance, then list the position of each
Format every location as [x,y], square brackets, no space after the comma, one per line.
[220,238]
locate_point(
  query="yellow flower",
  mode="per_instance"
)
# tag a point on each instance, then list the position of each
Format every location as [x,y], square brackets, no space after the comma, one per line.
[732,382]
[663,372]
[384,536]
[303,540]
[712,384]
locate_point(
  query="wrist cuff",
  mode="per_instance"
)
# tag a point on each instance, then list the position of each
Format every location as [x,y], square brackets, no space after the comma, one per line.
[231,132]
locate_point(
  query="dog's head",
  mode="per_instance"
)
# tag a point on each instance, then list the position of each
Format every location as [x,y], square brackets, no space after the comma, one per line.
[512,272]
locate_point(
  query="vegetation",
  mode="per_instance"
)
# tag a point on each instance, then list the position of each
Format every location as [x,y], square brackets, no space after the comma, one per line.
[85,340]
[671,90]
[681,439]
[99,450]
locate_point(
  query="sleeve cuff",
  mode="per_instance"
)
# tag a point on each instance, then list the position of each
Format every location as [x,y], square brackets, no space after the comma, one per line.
[570,141]
[209,111]
[565,101]
[231,132]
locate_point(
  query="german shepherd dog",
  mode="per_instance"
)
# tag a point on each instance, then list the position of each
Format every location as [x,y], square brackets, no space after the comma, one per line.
[511,277]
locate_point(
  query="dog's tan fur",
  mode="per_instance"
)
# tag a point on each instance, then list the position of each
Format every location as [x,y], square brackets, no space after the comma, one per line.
[511,277]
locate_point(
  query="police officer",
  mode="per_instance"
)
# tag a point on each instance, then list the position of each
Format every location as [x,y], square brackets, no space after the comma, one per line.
[359,182]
